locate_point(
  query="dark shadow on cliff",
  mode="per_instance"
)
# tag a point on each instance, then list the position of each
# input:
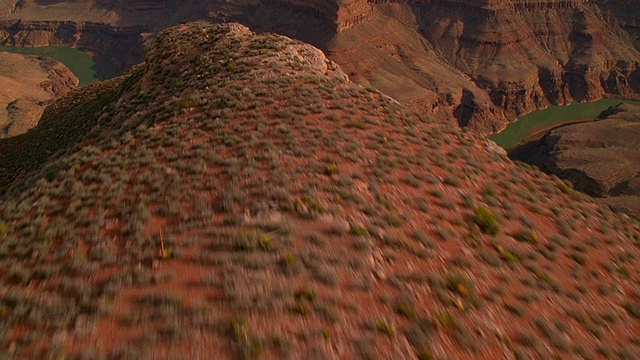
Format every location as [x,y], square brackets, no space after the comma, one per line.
[464,112]
[296,21]
[540,153]
[103,67]
[301,22]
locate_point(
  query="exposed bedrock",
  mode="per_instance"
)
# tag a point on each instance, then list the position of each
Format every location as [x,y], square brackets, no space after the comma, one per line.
[314,21]
[626,13]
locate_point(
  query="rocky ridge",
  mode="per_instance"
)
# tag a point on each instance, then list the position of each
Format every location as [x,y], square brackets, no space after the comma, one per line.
[237,195]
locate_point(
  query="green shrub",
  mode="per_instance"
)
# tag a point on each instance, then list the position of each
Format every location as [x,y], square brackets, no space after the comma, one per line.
[331,170]
[486,221]
[425,354]
[528,236]
[358,231]
[384,327]
[407,310]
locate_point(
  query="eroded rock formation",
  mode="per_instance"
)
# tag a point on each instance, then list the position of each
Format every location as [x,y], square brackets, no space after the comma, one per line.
[29,84]
[480,62]
[528,54]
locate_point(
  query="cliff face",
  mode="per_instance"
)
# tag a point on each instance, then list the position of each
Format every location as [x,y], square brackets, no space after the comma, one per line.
[528,54]
[480,62]
[627,14]
[314,21]
[388,52]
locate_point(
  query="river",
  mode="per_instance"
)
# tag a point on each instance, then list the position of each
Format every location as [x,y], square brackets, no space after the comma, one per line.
[551,117]
[86,65]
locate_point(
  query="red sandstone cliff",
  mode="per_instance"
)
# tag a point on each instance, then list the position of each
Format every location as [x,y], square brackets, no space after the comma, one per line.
[529,54]
[484,62]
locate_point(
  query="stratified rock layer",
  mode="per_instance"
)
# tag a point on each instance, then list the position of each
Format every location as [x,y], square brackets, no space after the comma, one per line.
[480,62]
[528,54]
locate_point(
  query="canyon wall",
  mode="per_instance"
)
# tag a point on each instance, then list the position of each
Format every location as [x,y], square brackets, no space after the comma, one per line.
[313,21]
[480,62]
[529,54]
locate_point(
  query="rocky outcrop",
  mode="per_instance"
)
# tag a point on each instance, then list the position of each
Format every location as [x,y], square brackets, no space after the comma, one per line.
[29,84]
[600,158]
[315,21]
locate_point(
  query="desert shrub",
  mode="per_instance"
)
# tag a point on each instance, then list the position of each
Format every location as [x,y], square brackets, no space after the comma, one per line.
[486,221]
[528,236]
[384,327]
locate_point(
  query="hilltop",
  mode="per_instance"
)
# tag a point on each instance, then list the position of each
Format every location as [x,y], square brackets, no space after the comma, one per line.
[237,196]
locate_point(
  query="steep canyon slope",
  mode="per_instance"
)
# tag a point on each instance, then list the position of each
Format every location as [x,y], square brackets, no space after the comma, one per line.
[236,196]
[481,62]
[515,56]
[29,83]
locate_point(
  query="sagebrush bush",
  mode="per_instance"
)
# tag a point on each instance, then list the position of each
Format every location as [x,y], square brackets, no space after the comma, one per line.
[486,221]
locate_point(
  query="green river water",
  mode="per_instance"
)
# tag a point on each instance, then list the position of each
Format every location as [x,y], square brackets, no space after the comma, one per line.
[554,115]
[85,67]
[88,68]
